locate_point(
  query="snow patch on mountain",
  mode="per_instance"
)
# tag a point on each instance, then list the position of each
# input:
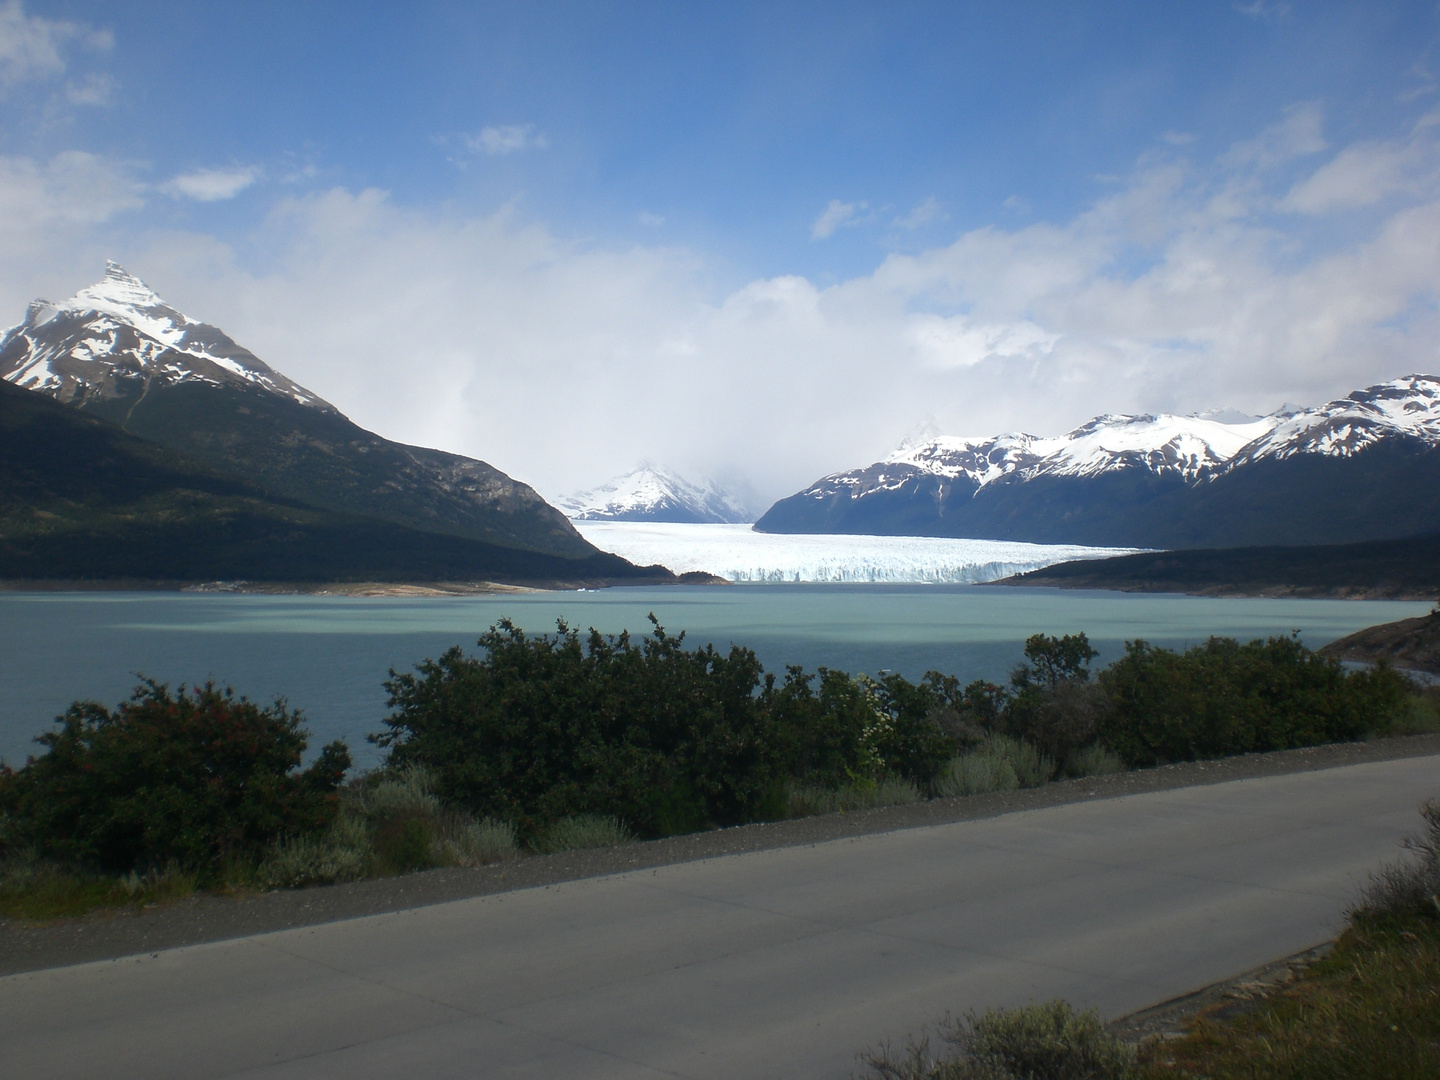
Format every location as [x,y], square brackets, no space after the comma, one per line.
[654,493]
[119,328]
[739,554]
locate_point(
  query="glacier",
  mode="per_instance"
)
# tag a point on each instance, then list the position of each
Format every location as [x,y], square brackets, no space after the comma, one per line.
[739,554]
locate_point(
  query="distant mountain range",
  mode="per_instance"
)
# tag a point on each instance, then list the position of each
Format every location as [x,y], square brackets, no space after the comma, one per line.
[117,351]
[653,493]
[183,456]
[1364,467]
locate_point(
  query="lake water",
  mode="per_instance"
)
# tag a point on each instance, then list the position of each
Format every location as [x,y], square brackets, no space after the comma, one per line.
[329,655]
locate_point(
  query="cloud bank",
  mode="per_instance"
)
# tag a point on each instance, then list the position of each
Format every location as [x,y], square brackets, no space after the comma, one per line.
[1284,269]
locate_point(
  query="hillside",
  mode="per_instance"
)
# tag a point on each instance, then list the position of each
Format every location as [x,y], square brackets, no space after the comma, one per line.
[81,499]
[1391,569]
[1410,643]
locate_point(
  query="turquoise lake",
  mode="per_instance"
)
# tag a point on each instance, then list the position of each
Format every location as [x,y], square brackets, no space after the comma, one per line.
[328,656]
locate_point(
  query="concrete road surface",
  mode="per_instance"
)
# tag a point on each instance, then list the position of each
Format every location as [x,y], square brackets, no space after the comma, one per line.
[772,964]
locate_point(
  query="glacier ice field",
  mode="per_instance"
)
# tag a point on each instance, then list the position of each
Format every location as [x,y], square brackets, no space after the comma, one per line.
[739,554]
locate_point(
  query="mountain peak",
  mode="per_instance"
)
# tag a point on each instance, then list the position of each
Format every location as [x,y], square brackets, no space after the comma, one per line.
[117,331]
[654,493]
[121,289]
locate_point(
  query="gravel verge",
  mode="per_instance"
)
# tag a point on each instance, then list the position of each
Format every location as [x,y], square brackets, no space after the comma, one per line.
[110,934]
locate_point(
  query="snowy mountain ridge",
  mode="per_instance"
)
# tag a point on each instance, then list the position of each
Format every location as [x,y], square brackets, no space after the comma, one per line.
[119,329]
[654,493]
[1194,448]
[1406,407]
[1362,467]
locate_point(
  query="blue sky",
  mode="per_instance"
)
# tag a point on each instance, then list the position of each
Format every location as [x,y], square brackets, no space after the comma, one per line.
[757,241]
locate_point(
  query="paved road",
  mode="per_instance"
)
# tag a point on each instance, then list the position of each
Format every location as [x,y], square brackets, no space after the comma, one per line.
[773,964]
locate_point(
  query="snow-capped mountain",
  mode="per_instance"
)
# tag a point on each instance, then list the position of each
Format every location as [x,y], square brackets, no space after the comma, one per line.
[653,493]
[118,351]
[118,331]
[1406,408]
[1122,480]
[1192,447]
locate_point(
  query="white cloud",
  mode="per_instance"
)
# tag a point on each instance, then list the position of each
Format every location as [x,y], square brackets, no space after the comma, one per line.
[505,139]
[651,221]
[1368,172]
[1298,134]
[56,217]
[563,363]
[94,89]
[211,185]
[1269,10]
[72,188]
[32,47]
[927,212]
[834,216]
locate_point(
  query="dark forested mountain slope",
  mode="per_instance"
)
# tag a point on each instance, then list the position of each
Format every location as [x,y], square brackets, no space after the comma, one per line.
[80,499]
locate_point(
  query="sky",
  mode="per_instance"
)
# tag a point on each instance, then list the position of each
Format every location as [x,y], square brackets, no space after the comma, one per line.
[755,243]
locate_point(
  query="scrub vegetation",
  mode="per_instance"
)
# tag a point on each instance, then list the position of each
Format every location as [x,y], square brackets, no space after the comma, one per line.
[1046,1041]
[565,741]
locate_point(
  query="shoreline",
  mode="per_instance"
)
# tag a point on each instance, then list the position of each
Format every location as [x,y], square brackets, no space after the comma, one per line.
[441,589]
[1222,592]
[300,588]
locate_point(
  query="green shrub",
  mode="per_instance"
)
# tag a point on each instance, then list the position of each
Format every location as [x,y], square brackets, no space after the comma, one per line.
[403,844]
[1419,716]
[669,739]
[976,773]
[1224,698]
[550,727]
[1047,1041]
[466,842]
[1052,704]
[405,792]
[998,763]
[199,778]
[583,831]
[342,854]
[1093,760]
[1032,768]
[854,730]
[806,801]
